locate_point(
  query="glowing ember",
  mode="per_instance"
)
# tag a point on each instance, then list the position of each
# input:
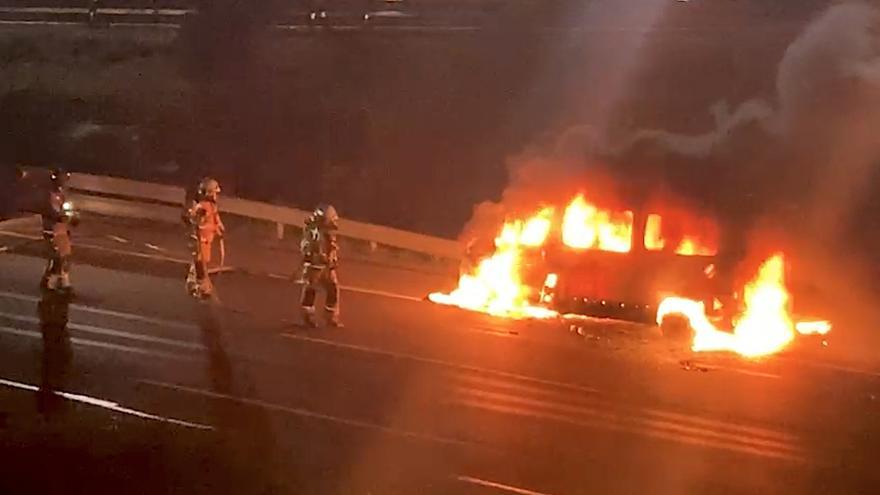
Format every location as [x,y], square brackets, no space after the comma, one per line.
[586,227]
[495,287]
[813,327]
[765,326]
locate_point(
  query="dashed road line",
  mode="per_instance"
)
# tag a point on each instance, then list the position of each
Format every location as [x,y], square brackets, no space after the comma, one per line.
[296,411]
[112,333]
[99,345]
[109,312]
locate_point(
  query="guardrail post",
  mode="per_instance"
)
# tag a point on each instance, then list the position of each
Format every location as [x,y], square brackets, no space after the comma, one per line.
[279,231]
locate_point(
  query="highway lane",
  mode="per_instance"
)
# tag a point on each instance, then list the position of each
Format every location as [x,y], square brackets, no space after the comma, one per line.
[412,397]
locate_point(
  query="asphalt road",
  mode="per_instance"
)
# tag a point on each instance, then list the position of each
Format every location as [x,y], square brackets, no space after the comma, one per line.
[146,391]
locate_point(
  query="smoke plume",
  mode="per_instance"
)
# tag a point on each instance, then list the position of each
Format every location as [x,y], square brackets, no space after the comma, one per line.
[804,156]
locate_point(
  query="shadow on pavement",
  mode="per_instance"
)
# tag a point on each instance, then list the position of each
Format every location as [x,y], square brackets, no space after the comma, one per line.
[53,310]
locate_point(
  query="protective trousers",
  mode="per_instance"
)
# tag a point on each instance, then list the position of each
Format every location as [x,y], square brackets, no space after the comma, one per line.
[315,277]
[57,273]
[198,280]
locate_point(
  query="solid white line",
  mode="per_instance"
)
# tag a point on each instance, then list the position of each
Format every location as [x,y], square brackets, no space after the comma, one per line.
[102,248]
[307,414]
[106,404]
[40,23]
[81,10]
[496,485]
[111,332]
[97,344]
[741,371]
[438,362]
[108,312]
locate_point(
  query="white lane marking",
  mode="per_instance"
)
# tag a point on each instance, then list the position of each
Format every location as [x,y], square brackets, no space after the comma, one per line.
[109,312]
[106,404]
[624,419]
[595,424]
[285,27]
[40,23]
[118,239]
[100,10]
[102,248]
[498,486]
[153,247]
[99,345]
[549,396]
[741,371]
[111,332]
[309,414]
[439,362]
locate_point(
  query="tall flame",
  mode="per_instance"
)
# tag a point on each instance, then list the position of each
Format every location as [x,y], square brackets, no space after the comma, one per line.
[765,326]
[495,286]
[584,226]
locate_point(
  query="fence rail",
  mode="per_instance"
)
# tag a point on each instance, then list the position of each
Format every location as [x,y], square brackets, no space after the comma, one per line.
[130,198]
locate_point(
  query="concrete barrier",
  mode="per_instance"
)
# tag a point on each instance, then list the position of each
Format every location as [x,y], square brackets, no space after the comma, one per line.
[129,198]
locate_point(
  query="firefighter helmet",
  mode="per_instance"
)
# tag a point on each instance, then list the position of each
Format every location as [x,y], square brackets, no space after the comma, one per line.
[209,188]
[326,216]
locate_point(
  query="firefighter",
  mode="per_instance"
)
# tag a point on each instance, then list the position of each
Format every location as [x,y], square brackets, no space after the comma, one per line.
[203,218]
[320,251]
[58,217]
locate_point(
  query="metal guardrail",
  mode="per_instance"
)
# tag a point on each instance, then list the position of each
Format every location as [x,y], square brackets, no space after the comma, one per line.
[119,197]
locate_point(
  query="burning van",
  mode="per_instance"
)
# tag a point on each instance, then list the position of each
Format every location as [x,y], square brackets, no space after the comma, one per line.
[583,258]
[622,263]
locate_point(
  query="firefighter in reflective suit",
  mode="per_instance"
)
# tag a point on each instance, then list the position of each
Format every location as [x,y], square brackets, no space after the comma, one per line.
[58,217]
[320,251]
[203,218]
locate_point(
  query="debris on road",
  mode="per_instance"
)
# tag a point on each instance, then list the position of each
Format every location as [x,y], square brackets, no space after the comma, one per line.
[688,365]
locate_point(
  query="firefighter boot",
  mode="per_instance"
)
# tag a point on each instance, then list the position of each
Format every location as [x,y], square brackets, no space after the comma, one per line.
[308,317]
[192,283]
[332,315]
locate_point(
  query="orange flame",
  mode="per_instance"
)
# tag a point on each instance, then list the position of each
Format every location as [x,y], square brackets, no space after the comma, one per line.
[765,327]
[495,287]
[584,226]
[688,246]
